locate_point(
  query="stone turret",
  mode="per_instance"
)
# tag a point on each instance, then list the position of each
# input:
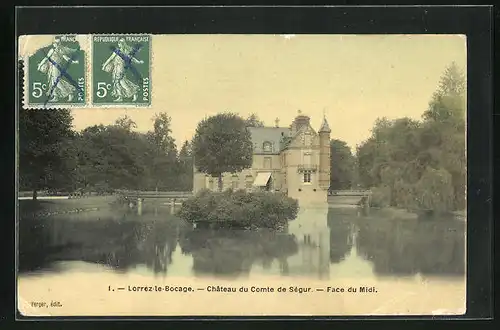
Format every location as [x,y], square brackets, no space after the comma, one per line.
[300,121]
[324,155]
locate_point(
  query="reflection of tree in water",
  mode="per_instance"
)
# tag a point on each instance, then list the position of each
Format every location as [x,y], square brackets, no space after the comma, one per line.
[155,243]
[411,246]
[267,262]
[232,252]
[119,242]
[341,226]
[35,244]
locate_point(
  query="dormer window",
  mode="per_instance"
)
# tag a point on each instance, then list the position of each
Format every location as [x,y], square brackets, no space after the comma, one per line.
[267,146]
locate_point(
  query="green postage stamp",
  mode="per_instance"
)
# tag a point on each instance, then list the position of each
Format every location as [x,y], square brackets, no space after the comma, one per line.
[55,72]
[86,71]
[121,70]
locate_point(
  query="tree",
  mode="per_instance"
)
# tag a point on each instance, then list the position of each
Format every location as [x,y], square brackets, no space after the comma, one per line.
[452,81]
[435,190]
[161,133]
[164,153]
[42,134]
[125,122]
[42,148]
[116,157]
[185,152]
[449,101]
[112,157]
[254,121]
[185,167]
[42,152]
[222,144]
[91,157]
[365,158]
[420,164]
[341,165]
[445,130]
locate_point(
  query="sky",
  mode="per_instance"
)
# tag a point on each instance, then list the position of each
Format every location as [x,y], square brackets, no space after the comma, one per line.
[352,79]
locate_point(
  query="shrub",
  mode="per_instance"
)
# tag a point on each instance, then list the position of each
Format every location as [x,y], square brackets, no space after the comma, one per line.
[435,190]
[240,209]
[381,196]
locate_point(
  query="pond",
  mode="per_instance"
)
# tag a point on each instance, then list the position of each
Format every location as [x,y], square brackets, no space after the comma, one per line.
[156,245]
[160,244]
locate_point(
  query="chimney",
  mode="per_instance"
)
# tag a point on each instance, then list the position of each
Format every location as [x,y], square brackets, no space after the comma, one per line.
[277,122]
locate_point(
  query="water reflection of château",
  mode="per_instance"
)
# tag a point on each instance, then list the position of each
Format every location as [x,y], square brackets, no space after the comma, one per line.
[327,246]
[312,234]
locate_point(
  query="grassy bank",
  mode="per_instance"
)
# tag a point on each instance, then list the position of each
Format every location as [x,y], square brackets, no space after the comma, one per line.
[59,206]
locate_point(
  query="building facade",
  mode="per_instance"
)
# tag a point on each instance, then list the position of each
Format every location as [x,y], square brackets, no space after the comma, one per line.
[294,160]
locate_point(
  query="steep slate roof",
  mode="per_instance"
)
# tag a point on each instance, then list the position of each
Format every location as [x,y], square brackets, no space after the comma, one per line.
[270,134]
[285,141]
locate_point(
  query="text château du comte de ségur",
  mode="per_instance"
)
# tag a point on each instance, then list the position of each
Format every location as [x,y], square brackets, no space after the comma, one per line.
[255,289]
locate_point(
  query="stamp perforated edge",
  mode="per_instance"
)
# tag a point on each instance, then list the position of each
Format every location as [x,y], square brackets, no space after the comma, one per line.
[52,106]
[91,104]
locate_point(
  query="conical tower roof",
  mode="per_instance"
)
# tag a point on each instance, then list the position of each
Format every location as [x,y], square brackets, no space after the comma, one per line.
[325,128]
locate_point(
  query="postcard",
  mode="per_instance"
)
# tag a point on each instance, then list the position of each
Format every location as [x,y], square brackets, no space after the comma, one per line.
[241,175]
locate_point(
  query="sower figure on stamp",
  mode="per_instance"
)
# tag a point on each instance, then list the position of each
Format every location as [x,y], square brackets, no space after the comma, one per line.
[116,65]
[56,59]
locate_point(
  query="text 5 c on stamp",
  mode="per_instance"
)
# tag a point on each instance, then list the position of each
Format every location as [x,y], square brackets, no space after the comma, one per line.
[121,70]
[56,74]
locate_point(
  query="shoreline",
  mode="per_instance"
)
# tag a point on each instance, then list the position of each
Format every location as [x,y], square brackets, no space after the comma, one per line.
[399,213]
[57,206]
[46,206]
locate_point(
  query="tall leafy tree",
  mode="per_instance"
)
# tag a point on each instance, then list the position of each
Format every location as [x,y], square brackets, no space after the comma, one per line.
[254,121]
[42,136]
[91,157]
[222,144]
[341,165]
[117,157]
[185,167]
[449,101]
[444,130]
[164,153]
[126,123]
[365,158]
[112,157]
[420,164]
[42,147]
[185,151]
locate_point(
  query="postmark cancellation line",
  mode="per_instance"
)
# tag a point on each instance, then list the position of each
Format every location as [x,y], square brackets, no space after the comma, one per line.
[86,71]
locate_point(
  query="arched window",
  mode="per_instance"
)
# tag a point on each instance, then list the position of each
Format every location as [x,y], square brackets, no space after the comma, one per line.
[267,146]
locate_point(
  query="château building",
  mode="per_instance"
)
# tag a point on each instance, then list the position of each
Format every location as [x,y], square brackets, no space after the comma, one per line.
[294,160]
